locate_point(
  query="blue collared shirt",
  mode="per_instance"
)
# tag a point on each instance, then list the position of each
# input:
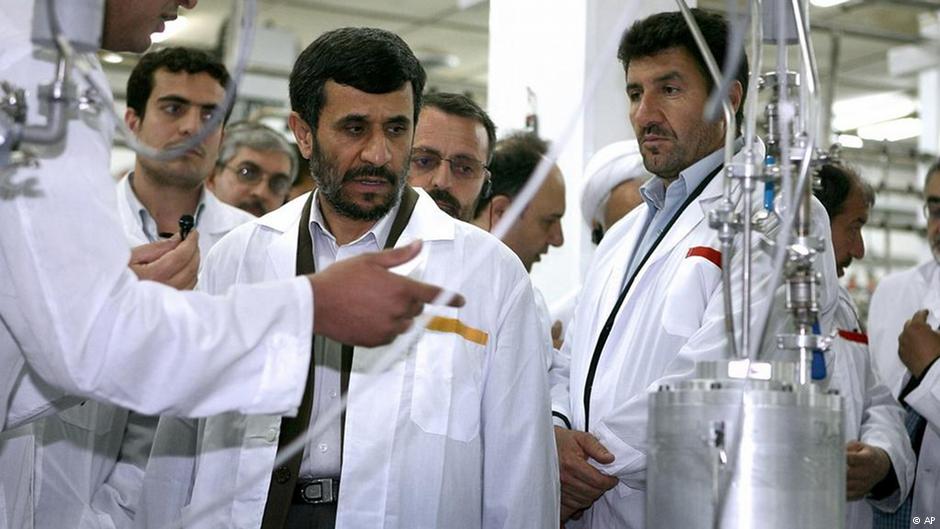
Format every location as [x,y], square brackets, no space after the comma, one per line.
[664,203]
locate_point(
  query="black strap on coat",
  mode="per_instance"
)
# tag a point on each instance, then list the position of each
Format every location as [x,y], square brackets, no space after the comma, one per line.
[284,477]
[611,319]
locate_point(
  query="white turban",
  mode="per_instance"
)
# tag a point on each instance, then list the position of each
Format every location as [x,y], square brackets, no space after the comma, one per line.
[607,169]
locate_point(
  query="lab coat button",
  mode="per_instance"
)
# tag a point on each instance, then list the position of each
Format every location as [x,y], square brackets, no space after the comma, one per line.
[282,474]
[272,435]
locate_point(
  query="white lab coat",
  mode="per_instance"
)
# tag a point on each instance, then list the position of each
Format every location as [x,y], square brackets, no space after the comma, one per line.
[75,319]
[895,300]
[545,322]
[90,458]
[872,415]
[672,318]
[81,321]
[456,435]
[926,400]
[215,220]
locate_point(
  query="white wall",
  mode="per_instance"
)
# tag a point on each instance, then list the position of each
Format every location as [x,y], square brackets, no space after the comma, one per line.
[553,47]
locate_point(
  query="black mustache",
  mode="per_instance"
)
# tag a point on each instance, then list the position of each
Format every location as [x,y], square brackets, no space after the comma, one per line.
[657,130]
[440,195]
[370,170]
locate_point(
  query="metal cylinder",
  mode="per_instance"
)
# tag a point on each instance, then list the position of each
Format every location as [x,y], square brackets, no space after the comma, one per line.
[768,452]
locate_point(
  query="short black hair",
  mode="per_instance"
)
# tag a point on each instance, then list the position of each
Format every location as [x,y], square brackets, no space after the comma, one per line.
[371,60]
[933,170]
[514,161]
[462,106]
[836,183]
[175,60]
[664,31]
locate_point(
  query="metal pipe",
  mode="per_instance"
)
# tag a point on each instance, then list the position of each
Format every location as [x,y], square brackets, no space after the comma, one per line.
[750,138]
[54,129]
[730,129]
[811,73]
[825,118]
[730,125]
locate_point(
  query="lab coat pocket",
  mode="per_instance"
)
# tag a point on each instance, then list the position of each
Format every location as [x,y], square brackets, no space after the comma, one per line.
[446,393]
[91,416]
[687,295]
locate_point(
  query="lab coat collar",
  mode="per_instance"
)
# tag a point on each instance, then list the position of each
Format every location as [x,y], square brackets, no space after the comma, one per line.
[696,212]
[216,217]
[213,217]
[427,223]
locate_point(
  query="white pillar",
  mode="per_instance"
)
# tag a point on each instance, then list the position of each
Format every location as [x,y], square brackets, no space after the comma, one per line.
[552,48]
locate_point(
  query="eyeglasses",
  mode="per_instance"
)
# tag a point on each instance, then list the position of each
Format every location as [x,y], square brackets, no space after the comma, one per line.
[462,167]
[250,174]
[932,210]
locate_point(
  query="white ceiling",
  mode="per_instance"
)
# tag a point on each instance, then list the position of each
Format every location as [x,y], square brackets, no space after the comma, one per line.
[433,28]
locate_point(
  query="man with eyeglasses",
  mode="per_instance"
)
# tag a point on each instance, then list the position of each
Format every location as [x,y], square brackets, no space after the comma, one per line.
[905,353]
[256,168]
[453,144]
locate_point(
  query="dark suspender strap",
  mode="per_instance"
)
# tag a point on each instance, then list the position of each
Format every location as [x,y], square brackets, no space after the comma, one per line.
[609,325]
[284,477]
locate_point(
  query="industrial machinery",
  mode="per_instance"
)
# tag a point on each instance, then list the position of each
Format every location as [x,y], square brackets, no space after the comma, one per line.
[756,441]
[751,441]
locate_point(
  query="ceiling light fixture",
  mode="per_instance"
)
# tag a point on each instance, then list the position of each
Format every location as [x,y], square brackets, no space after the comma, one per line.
[894,130]
[850,114]
[850,141]
[112,58]
[827,3]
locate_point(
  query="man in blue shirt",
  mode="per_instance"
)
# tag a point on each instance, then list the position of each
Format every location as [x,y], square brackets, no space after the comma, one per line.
[647,311]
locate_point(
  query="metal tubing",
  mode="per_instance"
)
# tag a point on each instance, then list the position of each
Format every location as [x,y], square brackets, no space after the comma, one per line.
[811,74]
[727,247]
[730,129]
[54,129]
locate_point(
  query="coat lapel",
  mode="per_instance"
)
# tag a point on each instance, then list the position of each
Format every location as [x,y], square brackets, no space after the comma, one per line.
[692,217]
[617,268]
[282,252]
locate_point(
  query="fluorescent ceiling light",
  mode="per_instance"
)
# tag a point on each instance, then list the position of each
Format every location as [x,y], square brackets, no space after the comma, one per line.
[171,28]
[827,3]
[850,114]
[112,58]
[850,141]
[895,130]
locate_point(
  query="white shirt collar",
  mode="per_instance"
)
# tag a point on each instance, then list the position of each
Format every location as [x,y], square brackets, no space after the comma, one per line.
[147,222]
[377,234]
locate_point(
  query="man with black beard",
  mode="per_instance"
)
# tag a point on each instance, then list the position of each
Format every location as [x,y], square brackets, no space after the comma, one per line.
[453,145]
[457,432]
